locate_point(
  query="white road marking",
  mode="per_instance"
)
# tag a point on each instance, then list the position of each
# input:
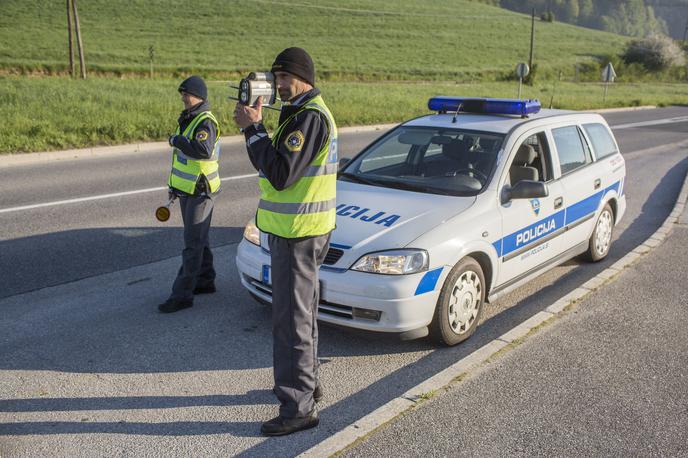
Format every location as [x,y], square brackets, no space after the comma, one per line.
[651,123]
[105,196]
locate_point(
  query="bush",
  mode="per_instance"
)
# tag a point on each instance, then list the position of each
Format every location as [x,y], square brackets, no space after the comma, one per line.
[655,53]
[547,16]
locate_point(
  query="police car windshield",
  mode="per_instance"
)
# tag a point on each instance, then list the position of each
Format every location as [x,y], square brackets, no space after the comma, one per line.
[427,159]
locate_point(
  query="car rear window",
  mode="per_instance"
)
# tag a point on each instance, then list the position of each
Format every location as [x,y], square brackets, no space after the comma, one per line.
[602,141]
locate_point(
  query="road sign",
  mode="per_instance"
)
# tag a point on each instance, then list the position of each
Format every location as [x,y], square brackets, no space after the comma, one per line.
[522,70]
[608,74]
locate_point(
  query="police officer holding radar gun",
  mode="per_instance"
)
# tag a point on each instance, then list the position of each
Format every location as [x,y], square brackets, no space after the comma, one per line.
[194,179]
[298,170]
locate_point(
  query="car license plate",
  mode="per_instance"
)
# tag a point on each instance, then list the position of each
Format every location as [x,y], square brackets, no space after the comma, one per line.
[267,276]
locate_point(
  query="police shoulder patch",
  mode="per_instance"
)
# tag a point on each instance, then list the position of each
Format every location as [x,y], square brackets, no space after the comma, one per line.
[202,135]
[294,141]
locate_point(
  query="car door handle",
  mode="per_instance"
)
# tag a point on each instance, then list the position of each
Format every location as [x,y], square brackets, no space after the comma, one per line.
[598,183]
[558,202]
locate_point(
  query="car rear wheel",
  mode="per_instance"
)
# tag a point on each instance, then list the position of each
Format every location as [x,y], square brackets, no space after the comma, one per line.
[601,238]
[460,304]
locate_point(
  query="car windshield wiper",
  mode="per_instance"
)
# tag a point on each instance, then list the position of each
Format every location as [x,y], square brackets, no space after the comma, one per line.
[396,184]
[359,179]
[420,188]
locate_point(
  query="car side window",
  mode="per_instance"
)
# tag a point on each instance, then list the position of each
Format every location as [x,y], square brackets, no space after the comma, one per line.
[532,160]
[572,149]
[601,139]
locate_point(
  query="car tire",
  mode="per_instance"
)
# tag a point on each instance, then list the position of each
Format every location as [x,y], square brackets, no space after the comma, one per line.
[601,238]
[260,299]
[460,304]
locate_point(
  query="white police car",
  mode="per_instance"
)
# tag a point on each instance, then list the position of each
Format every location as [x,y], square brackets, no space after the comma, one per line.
[449,210]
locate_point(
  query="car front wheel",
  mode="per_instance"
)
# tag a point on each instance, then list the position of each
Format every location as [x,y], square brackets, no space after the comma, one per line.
[460,304]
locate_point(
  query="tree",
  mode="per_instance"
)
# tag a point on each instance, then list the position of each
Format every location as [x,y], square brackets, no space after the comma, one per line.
[626,17]
[586,9]
[571,10]
[655,53]
[632,18]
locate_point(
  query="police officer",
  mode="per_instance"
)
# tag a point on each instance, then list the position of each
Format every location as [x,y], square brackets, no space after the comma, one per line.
[297,169]
[195,180]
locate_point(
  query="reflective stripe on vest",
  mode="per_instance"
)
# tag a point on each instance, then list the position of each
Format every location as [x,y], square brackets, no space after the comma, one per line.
[186,170]
[298,208]
[307,207]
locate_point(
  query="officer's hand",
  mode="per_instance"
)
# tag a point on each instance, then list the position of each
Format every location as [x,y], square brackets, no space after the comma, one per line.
[171,140]
[170,194]
[245,115]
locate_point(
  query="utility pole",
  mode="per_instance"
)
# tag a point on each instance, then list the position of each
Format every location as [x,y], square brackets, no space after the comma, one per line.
[72,71]
[151,55]
[532,37]
[80,46]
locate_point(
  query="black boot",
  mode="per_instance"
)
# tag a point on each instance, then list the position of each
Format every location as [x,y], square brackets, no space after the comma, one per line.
[281,426]
[173,305]
[317,393]
[210,289]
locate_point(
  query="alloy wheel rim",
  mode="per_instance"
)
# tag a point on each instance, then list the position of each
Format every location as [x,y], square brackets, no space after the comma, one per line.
[464,302]
[603,233]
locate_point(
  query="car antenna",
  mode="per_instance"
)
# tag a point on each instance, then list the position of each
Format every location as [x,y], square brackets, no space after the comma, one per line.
[456,113]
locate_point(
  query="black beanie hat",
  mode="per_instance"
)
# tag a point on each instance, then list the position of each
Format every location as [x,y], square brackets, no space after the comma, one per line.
[297,62]
[194,85]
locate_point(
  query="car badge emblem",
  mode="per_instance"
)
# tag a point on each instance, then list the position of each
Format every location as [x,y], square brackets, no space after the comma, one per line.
[535,203]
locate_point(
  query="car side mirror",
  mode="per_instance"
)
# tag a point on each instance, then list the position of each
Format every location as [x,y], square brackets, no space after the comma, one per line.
[343,161]
[525,189]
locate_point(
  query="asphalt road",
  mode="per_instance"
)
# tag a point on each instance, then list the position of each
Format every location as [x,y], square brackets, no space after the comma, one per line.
[609,379]
[88,366]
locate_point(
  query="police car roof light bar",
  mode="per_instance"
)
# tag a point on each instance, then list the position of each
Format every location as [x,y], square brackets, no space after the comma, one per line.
[485,106]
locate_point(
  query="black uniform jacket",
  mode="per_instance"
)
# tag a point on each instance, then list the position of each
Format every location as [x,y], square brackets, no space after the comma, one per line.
[202,141]
[297,146]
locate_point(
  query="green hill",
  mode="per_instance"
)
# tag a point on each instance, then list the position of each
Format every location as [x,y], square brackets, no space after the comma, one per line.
[363,40]
[376,62]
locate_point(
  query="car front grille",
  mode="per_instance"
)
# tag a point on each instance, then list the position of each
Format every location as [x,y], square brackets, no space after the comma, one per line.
[328,308]
[333,255]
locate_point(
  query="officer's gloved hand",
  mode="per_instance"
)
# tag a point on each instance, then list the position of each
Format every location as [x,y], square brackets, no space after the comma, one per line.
[171,140]
[171,194]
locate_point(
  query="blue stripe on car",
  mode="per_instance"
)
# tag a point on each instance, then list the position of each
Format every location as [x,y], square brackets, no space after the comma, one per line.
[338,270]
[429,280]
[546,226]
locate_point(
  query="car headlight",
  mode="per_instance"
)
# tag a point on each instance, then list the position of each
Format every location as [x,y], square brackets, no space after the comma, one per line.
[396,262]
[252,233]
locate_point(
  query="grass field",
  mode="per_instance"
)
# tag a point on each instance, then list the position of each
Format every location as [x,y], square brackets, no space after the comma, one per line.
[376,62]
[58,113]
[354,40]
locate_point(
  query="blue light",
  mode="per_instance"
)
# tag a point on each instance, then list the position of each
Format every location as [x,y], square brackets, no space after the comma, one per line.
[486,106]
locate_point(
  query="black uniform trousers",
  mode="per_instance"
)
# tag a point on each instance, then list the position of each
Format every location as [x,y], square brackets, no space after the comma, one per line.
[197,260]
[295,297]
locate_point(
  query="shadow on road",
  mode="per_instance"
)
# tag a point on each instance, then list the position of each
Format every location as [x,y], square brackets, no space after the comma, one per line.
[133,402]
[175,428]
[76,254]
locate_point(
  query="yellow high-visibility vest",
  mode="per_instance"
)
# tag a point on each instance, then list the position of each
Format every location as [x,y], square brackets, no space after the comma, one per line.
[307,207]
[186,170]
